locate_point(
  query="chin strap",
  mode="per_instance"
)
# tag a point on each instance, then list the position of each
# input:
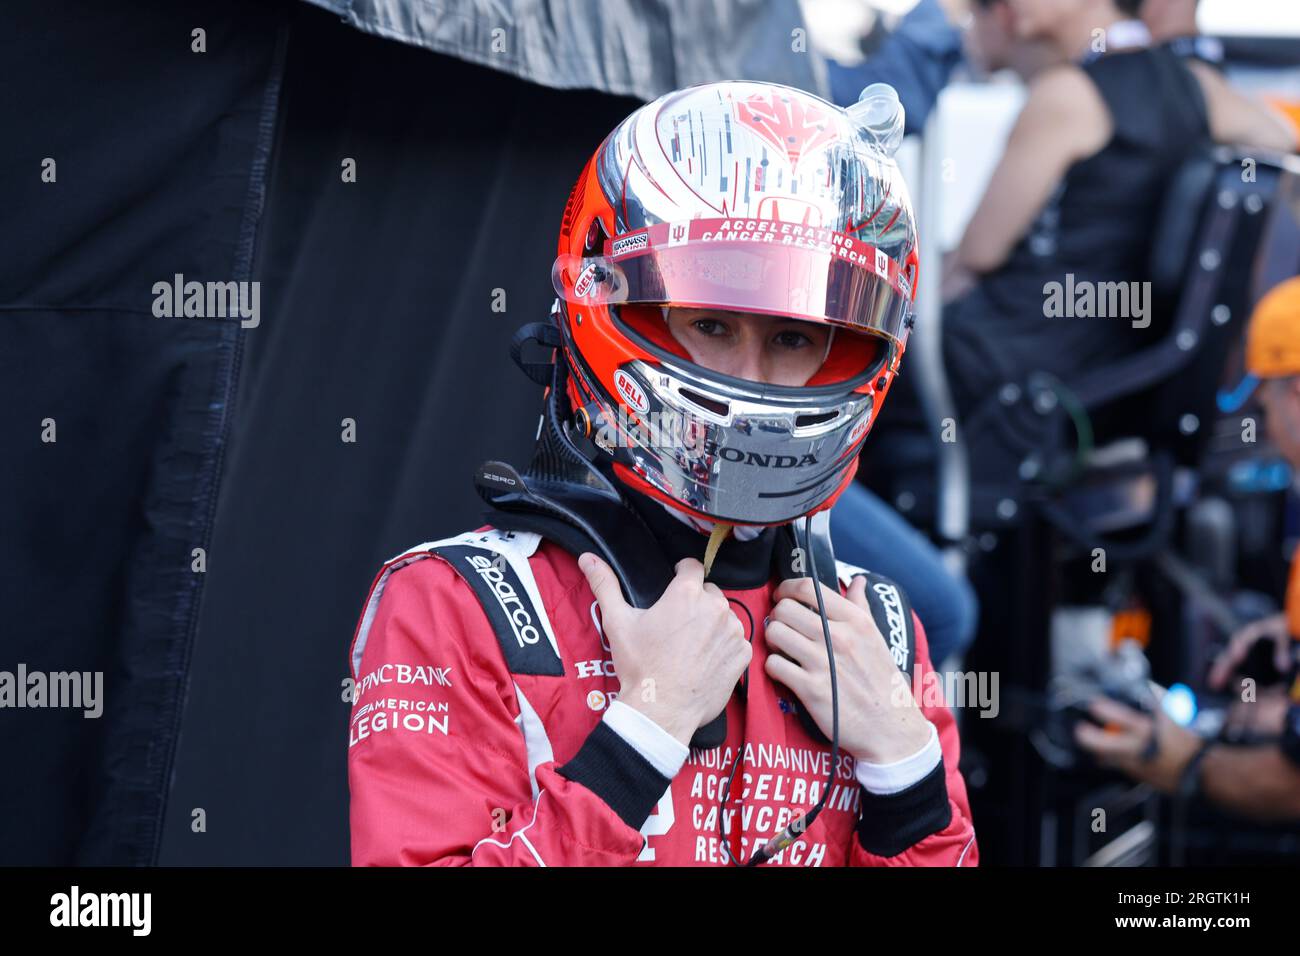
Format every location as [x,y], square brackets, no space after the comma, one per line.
[719,534]
[741,532]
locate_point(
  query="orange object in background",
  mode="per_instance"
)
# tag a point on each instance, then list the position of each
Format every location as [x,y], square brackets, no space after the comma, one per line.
[1132,624]
[1288,108]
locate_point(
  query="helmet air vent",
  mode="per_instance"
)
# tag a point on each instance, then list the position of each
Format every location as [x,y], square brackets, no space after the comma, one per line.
[805,421]
[722,409]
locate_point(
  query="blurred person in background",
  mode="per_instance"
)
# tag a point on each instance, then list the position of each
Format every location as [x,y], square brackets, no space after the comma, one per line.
[992,44]
[866,530]
[1169,19]
[1077,191]
[1273,342]
[1173,22]
[919,56]
[916,58]
[1260,781]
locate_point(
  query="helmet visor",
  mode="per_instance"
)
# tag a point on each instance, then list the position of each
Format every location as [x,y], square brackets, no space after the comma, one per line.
[757,265]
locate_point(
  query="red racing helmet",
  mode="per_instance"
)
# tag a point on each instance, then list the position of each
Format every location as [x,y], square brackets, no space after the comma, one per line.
[745,197]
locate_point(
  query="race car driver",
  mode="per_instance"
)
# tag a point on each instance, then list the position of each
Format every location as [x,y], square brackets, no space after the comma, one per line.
[633,663]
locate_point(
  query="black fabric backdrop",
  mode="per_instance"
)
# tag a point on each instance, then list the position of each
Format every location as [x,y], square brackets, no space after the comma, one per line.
[224,688]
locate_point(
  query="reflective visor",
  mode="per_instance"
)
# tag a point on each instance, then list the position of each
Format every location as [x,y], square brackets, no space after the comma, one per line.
[746,265]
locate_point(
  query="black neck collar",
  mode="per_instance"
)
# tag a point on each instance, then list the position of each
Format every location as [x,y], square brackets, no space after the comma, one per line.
[739,565]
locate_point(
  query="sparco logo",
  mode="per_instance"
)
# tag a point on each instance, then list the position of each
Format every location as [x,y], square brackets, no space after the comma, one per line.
[629,244]
[759,460]
[893,603]
[521,622]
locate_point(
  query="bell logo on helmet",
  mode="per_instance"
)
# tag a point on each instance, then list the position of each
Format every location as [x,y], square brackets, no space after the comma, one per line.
[860,428]
[587,281]
[630,392]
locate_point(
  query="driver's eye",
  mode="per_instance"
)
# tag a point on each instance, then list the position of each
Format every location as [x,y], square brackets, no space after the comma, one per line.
[790,339]
[710,327]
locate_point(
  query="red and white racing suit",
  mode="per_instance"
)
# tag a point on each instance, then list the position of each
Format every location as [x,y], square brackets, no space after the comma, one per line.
[456,758]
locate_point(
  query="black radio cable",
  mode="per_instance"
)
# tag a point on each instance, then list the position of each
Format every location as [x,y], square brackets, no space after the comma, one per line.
[796,829]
